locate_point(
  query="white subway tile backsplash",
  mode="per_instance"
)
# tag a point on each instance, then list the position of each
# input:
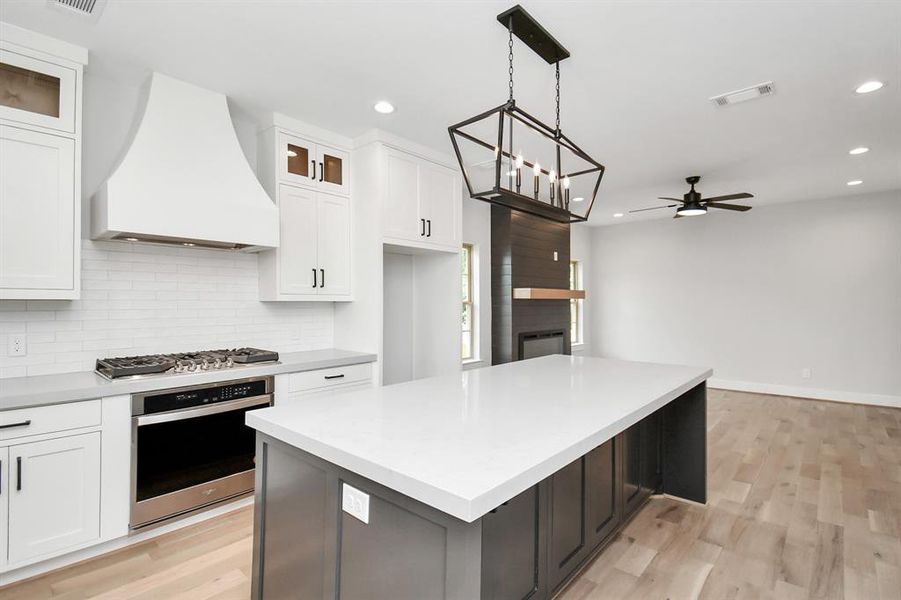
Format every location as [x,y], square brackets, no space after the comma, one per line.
[144,298]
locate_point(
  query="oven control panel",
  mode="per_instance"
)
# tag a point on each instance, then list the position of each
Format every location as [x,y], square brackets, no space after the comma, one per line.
[202,396]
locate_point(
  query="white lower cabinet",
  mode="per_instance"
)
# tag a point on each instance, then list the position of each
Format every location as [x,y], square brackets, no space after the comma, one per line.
[53,495]
[4,504]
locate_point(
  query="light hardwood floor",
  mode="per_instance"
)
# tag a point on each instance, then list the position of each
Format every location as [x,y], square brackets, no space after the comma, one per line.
[805,502]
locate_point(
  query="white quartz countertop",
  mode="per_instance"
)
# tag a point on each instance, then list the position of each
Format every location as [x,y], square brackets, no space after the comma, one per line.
[26,392]
[468,442]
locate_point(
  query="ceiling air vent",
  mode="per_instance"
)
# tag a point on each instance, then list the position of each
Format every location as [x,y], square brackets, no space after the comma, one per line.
[87,9]
[749,93]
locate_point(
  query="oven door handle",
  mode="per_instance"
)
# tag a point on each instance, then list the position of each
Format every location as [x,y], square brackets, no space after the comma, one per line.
[202,411]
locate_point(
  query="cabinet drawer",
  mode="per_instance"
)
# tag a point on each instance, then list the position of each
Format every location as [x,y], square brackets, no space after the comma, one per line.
[22,422]
[325,378]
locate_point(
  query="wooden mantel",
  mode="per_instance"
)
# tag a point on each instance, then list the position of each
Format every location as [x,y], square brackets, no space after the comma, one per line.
[547,294]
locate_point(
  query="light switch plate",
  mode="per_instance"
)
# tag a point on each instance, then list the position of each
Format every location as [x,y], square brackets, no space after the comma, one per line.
[355,502]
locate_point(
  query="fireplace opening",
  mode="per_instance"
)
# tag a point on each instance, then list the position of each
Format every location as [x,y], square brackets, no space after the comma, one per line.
[542,343]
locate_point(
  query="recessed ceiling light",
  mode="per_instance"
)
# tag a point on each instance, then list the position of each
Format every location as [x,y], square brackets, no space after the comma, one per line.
[855,182]
[858,150]
[579,199]
[869,86]
[188,244]
[131,239]
[617,215]
[384,107]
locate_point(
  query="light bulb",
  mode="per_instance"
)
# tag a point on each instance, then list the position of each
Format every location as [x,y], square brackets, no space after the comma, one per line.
[537,169]
[566,182]
[519,161]
[552,176]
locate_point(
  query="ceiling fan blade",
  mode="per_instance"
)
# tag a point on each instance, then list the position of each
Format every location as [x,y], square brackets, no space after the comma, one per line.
[738,207]
[673,199]
[737,196]
[652,208]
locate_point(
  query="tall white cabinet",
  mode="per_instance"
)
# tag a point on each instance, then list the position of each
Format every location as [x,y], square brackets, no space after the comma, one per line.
[40,165]
[309,179]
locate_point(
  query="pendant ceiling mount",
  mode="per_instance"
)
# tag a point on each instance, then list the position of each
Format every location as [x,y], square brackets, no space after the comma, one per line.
[510,158]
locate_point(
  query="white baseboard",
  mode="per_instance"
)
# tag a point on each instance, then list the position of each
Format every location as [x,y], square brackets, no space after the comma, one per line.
[805,392]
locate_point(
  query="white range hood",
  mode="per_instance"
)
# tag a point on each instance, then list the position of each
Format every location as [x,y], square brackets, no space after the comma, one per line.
[185,180]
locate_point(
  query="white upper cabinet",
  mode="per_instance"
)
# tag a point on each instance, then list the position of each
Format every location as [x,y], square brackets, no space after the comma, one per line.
[422,203]
[439,202]
[333,245]
[37,92]
[54,495]
[310,182]
[40,166]
[37,211]
[297,251]
[306,163]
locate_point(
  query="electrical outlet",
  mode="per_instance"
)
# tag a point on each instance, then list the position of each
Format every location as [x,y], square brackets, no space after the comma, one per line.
[355,503]
[805,373]
[16,345]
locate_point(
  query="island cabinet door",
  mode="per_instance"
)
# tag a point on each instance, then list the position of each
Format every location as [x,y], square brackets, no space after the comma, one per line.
[651,471]
[568,542]
[631,443]
[602,476]
[513,548]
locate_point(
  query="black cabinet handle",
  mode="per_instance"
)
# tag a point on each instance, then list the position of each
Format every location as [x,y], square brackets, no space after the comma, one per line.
[313,162]
[19,424]
[314,277]
[321,171]
[341,376]
[429,234]
[422,221]
[323,277]
[18,473]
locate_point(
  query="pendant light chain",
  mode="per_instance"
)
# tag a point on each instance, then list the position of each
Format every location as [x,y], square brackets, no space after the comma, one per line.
[510,56]
[558,97]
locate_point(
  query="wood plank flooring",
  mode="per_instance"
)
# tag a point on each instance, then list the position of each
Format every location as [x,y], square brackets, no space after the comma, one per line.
[805,502]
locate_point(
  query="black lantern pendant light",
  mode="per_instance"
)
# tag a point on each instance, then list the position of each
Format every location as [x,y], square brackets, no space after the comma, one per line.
[510,158]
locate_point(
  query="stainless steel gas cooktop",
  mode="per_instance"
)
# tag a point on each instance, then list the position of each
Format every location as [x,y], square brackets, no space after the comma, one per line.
[189,362]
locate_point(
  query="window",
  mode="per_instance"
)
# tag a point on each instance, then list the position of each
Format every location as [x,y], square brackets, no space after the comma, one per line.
[468,338]
[575,306]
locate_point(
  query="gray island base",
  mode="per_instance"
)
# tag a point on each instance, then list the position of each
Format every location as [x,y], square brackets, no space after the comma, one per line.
[530,546]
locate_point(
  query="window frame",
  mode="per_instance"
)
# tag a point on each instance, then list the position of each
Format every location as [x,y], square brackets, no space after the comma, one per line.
[468,250]
[576,309]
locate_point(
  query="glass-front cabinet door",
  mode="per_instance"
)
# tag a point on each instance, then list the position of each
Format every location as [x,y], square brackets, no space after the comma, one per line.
[36,92]
[332,167]
[297,160]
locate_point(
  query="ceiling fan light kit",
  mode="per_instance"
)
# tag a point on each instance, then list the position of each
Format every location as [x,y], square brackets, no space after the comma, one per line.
[693,204]
[535,169]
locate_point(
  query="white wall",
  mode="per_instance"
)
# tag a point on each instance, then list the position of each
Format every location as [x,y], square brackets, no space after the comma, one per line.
[760,296]
[140,298]
[477,231]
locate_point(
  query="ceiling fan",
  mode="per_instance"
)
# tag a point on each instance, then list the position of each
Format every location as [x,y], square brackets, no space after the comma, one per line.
[693,205]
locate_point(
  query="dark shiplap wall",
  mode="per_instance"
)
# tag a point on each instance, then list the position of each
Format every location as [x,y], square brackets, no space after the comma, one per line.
[522,255]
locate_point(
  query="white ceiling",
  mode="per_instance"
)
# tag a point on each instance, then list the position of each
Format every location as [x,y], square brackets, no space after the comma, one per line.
[634,93]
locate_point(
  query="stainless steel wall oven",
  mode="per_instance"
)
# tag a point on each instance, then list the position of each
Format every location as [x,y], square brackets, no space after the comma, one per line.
[191,448]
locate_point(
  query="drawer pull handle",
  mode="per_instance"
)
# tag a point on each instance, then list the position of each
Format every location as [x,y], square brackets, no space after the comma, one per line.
[335,376]
[19,424]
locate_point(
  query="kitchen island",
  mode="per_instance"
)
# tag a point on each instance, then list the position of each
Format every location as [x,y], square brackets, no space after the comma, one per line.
[494,483]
